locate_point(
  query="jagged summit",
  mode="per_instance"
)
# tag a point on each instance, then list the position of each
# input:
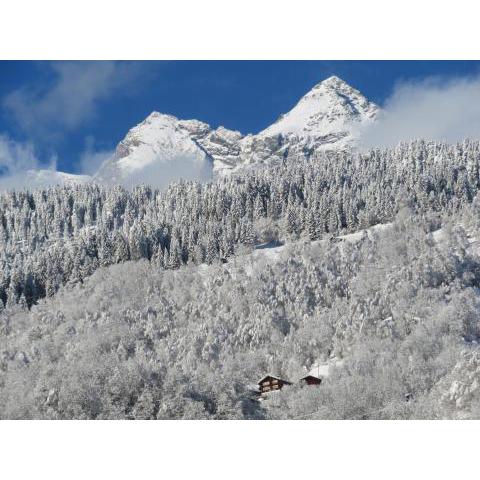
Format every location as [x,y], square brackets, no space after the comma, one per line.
[332,81]
[156,114]
[332,107]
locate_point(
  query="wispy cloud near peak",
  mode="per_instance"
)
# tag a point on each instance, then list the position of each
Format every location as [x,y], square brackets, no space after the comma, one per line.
[433,109]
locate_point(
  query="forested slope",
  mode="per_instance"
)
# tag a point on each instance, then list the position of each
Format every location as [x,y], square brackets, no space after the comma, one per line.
[400,307]
[49,238]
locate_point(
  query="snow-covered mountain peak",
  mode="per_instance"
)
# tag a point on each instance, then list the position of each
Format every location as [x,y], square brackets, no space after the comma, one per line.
[330,108]
[160,127]
[333,82]
[158,115]
[151,130]
[158,150]
[341,94]
[159,133]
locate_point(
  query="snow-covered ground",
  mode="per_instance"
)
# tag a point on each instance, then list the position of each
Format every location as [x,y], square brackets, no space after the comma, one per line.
[323,369]
[369,232]
[273,251]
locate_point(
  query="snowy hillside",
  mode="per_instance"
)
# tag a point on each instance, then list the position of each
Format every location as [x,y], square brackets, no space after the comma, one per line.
[129,304]
[135,341]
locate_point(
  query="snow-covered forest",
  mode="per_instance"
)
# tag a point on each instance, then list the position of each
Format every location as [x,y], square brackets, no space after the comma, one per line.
[49,238]
[148,304]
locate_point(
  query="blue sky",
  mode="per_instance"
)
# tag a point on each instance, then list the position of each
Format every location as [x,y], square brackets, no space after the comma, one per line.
[75,112]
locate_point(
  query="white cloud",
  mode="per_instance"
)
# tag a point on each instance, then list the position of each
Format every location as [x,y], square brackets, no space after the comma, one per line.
[91,159]
[71,99]
[18,161]
[15,156]
[160,174]
[432,109]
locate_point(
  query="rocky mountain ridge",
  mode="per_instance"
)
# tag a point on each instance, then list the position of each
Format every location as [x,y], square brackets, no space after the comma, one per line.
[329,116]
[163,148]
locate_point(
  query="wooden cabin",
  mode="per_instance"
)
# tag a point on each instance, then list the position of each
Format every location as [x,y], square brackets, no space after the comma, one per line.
[271,383]
[311,380]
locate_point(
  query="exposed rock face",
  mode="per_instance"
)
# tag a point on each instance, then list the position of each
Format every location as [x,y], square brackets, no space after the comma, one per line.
[330,116]
[224,147]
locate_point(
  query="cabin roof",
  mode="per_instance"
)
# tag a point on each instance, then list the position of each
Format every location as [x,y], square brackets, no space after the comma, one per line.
[275,377]
[310,376]
[320,370]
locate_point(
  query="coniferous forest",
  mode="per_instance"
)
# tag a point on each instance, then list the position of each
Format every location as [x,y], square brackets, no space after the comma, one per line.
[170,304]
